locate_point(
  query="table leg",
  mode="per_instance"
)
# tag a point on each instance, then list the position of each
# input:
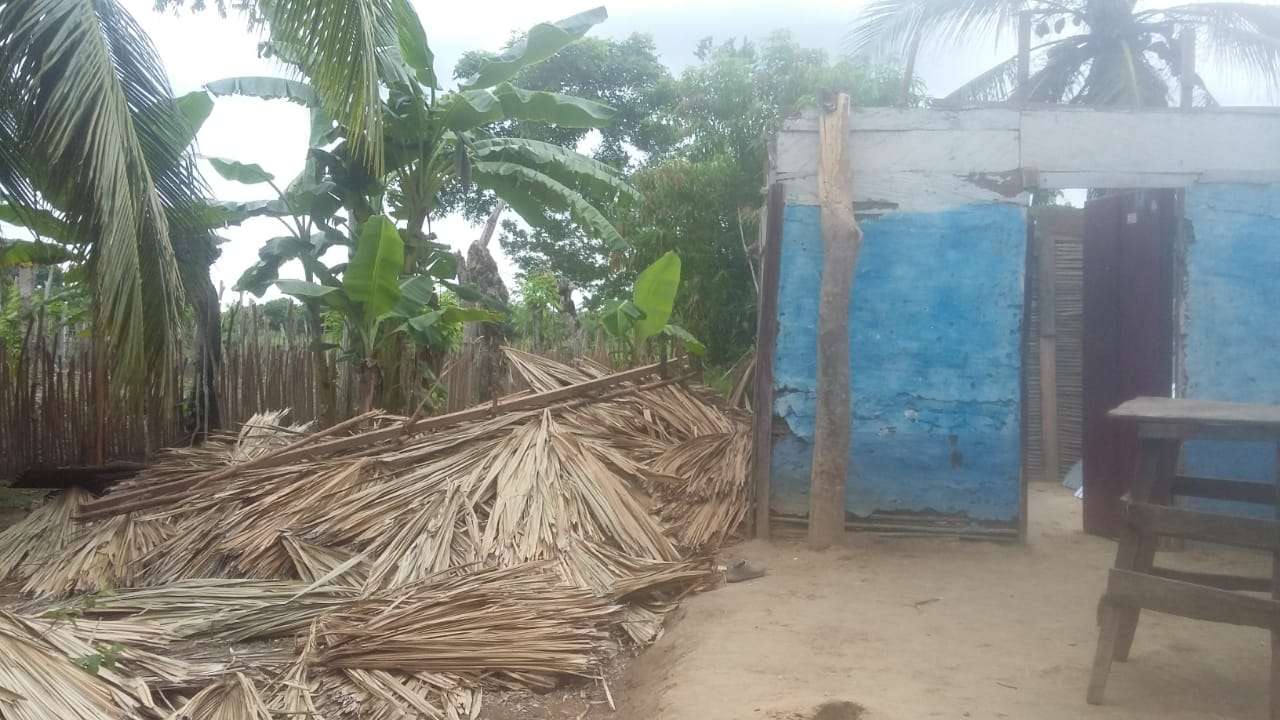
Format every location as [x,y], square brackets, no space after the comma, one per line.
[1156,461]
[1275,641]
[1275,595]
[1160,468]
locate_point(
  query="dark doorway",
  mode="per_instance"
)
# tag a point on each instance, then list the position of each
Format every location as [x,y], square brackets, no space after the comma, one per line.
[1128,350]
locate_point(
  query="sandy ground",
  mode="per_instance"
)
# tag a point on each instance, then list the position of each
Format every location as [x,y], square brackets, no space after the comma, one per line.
[922,628]
[893,628]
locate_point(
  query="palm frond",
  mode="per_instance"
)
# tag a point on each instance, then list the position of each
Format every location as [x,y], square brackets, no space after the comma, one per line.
[343,47]
[532,194]
[1062,74]
[600,182]
[899,27]
[95,132]
[1240,35]
[1121,75]
[1001,81]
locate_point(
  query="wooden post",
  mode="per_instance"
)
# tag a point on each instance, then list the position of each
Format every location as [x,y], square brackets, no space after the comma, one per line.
[1187,71]
[766,337]
[1275,595]
[99,391]
[1024,51]
[909,70]
[1047,295]
[841,240]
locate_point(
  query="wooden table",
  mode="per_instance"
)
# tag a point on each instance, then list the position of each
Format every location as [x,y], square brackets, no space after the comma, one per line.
[1136,582]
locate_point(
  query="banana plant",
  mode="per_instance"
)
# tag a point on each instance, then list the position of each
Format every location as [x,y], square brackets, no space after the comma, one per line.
[377,304]
[432,139]
[428,140]
[632,322]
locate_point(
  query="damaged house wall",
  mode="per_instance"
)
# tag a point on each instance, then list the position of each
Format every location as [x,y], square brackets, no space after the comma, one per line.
[935,315]
[935,323]
[1230,332]
[937,304]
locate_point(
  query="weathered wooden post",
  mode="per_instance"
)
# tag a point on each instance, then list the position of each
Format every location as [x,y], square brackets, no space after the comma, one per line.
[841,240]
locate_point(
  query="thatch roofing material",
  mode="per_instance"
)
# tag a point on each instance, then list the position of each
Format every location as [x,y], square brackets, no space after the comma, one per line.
[393,567]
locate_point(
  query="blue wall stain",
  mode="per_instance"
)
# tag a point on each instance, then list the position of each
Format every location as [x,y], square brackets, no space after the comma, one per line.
[1231,332]
[935,316]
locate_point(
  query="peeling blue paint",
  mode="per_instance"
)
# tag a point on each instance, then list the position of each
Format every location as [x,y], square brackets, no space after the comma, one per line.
[1231,334]
[935,317]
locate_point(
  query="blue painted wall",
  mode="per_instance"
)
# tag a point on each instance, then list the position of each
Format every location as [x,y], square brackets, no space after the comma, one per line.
[936,316]
[1231,322]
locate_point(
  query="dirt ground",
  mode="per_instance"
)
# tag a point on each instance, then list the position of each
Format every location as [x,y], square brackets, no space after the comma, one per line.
[907,628]
[892,628]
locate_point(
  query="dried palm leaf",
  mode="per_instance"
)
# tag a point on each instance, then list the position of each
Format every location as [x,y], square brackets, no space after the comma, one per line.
[101,557]
[703,487]
[514,622]
[41,535]
[61,670]
[263,433]
[234,697]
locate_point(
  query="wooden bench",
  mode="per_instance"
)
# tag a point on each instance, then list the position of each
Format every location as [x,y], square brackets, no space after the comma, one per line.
[1136,583]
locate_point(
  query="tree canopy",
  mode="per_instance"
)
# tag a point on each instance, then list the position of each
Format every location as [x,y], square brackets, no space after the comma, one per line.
[1095,52]
[703,177]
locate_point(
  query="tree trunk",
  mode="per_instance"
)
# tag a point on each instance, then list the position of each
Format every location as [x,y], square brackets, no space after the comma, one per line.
[205,404]
[368,384]
[482,274]
[324,373]
[841,240]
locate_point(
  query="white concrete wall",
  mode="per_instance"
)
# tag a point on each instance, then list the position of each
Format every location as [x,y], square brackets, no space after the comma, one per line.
[934,159]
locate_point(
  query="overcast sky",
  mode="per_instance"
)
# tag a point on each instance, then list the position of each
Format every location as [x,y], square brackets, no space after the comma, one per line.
[202,47]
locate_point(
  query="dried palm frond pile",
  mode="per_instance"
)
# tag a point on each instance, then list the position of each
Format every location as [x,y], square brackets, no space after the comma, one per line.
[395,567]
[27,545]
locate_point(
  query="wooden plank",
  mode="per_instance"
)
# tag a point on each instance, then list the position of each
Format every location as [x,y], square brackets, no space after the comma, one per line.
[1188,418]
[1046,281]
[1275,596]
[1024,48]
[1221,489]
[1207,527]
[887,119]
[1173,597]
[766,339]
[1217,580]
[1187,72]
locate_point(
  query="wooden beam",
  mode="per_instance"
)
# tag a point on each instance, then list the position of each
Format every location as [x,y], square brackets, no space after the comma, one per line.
[1138,590]
[841,241]
[1220,489]
[1024,51]
[766,340]
[1274,682]
[1047,298]
[1207,527]
[1217,580]
[1187,66]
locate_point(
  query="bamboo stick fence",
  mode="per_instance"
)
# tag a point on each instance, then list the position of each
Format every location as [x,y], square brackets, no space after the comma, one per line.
[47,411]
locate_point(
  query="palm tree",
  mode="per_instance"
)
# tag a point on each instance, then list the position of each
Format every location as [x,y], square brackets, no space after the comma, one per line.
[91,138]
[1097,52]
